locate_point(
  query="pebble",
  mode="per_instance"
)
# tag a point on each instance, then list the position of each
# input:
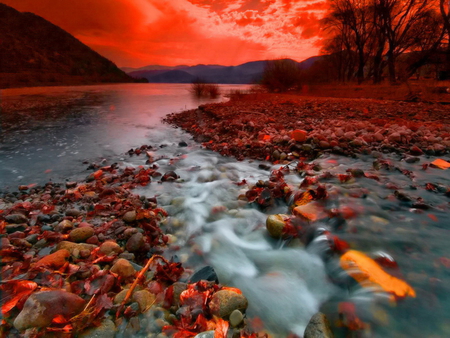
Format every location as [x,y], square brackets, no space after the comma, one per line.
[110,247]
[107,329]
[224,302]
[16,218]
[144,298]
[41,307]
[123,268]
[236,318]
[81,234]
[12,228]
[178,288]
[73,212]
[129,216]
[64,226]
[71,246]
[275,225]
[318,327]
[135,242]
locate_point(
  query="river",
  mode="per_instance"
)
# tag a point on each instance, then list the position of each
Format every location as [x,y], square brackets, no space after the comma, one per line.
[55,133]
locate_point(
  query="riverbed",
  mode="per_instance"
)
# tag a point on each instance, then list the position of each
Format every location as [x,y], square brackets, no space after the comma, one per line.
[58,133]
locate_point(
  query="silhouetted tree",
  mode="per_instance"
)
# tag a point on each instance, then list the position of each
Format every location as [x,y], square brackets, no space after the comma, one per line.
[281,75]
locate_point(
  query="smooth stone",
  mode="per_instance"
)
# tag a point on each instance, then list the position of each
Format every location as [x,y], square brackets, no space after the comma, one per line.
[224,302]
[206,273]
[12,228]
[275,225]
[81,234]
[236,318]
[72,247]
[135,242]
[41,307]
[118,299]
[107,329]
[16,218]
[73,212]
[144,298]
[64,226]
[110,247]
[178,288]
[123,268]
[318,327]
[32,238]
[129,216]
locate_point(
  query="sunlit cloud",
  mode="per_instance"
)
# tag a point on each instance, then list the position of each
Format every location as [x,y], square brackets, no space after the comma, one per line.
[141,32]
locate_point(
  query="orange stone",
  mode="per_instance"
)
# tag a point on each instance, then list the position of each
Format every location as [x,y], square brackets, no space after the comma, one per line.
[299,135]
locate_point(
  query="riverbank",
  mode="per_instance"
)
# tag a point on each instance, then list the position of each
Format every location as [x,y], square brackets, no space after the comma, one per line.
[260,126]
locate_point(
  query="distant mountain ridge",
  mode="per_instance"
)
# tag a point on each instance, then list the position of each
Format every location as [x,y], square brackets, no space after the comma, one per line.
[246,73]
[36,52]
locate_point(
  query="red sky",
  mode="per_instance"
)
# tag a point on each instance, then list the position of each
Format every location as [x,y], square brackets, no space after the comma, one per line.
[137,33]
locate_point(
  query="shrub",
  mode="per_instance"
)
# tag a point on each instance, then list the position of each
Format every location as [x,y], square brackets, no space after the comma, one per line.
[281,75]
[201,89]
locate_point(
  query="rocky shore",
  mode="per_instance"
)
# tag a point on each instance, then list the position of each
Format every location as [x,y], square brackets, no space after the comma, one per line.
[285,127]
[87,259]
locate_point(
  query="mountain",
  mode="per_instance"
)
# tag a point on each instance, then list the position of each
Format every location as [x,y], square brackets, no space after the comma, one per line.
[246,73]
[36,52]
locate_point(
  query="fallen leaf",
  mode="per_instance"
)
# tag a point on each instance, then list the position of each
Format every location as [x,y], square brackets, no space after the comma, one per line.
[441,164]
[367,272]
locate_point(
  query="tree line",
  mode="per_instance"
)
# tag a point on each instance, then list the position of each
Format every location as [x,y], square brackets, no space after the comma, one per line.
[366,37]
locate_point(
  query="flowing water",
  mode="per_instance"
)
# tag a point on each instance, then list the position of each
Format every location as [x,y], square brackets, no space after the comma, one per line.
[55,133]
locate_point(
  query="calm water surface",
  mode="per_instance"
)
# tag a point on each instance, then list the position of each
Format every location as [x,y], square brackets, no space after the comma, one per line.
[55,133]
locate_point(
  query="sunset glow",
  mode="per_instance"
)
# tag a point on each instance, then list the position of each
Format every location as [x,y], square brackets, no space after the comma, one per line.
[137,33]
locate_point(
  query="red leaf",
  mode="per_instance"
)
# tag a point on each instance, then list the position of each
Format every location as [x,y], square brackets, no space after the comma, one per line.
[14,291]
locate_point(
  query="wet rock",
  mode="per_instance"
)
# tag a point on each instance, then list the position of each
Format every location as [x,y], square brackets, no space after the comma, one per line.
[75,247]
[123,268]
[70,185]
[118,298]
[276,155]
[81,234]
[224,302]
[32,238]
[12,228]
[129,216]
[318,327]
[276,224]
[73,212]
[416,151]
[16,218]
[205,273]
[41,307]
[182,144]
[144,298]
[135,242]
[169,176]
[110,248]
[178,288]
[54,260]
[64,226]
[236,318]
[44,218]
[299,135]
[412,159]
[107,329]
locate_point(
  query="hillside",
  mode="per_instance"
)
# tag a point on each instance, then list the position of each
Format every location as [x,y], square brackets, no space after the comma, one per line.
[36,52]
[250,72]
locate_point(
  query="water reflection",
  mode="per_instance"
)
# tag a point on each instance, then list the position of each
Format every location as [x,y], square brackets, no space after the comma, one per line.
[48,132]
